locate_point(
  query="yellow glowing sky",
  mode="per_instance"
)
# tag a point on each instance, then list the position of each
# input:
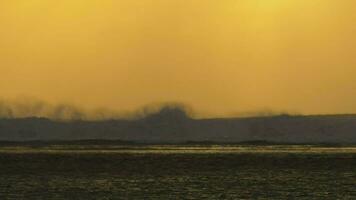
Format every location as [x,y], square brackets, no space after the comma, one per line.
[219,56]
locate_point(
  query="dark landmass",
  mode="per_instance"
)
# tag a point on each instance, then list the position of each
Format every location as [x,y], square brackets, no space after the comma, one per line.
[173,125]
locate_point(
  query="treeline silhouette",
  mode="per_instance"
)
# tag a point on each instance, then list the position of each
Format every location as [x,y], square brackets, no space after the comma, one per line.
[33,108]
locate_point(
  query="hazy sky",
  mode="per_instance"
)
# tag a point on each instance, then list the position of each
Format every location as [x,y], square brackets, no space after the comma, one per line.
[219,56]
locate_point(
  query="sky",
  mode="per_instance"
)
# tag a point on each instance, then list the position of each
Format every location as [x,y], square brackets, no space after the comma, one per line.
[220,57]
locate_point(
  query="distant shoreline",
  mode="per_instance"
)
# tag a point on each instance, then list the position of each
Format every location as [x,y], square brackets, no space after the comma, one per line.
[42,143]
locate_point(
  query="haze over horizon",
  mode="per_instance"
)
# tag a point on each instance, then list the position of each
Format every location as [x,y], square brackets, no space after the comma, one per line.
[219,57]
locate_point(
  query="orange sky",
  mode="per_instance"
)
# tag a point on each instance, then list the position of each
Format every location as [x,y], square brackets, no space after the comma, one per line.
[220,57]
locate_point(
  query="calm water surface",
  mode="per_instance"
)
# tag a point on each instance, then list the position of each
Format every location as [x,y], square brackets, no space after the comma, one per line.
[173,172]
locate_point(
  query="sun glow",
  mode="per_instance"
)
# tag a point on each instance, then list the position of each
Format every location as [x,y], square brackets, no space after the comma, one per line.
[271,4]
[217,56]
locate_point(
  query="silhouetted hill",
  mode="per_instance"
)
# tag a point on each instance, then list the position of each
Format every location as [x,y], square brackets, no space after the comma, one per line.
[174,125]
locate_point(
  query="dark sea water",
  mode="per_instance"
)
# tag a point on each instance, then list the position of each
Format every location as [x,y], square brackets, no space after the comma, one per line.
[171,174]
